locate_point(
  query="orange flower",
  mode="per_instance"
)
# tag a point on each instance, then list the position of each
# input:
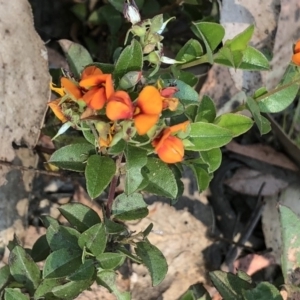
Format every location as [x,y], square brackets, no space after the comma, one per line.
[169,148]
[148,109]
[119,106]
[99,87]
[67,87]
[296,56]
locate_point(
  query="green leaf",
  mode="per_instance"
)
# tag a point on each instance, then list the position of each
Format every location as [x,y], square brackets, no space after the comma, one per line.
[186,94]
[290,258]
[117,4]
[206,110]
[72,157]
[107,278]
[80,11]
[136,158]
[47,221]
[87,133]
[62,237]
[131,59]
[129,207]
[105,68]
[254,60]
[278,99]
[188,78]
[71,289]
[107,14]
[237,124]
[213,158]
[94,239]
[98,173]
[77,56]
[206,136]
[211,34]
[229,286]
[262,123]
[263,291]
[5,277]
[153,260]
[110,260]
[14,294]
[202,176]
[61,263]
[80,216]
[85,271]
[44,289]
[23,269]
[249,59]
[112,227]
[191,50]
[161,180]
[196,292]
[40,249]
[240,41]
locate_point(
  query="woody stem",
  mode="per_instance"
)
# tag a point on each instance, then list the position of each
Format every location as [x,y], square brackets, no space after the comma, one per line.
[112,187]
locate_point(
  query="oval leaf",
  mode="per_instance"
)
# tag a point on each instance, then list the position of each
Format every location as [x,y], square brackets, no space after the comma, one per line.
[14,294]
[190,51]
[40,249]
[131,59]
[72,157]
[290,259]
[94,239]
[61,263]
[129,207]
[62,237]
[80,216]
[77,56]
[237,124]
[206,110]
[213,158]
[110,260]
[98,173]
[23,268]
[278,99]
[107,278]
[206,136]
[153,260]
[161,179]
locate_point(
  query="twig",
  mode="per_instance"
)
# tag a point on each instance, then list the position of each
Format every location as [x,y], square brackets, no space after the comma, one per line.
[29,169]
[234,252]
[112,187]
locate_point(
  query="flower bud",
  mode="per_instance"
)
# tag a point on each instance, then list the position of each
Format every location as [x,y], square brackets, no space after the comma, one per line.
[296,56]
[130,79]
[131,12]
[138,30]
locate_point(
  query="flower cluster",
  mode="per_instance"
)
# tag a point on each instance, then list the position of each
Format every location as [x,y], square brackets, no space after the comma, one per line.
[118,114]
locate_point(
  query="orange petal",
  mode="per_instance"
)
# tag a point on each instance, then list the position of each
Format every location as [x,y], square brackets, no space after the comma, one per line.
[70,87]
[171,151]
[180,126]
[90,70]
[149,101]
[60,91]
[95,98]
[119,106]
[57,110]
[109,86]
[93,80]
[170,103]
[143,123]
[296,59]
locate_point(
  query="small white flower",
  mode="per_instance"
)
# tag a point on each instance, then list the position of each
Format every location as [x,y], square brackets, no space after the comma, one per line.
[162,28]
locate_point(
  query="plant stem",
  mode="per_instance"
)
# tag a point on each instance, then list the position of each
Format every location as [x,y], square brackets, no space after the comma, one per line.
[112,187]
